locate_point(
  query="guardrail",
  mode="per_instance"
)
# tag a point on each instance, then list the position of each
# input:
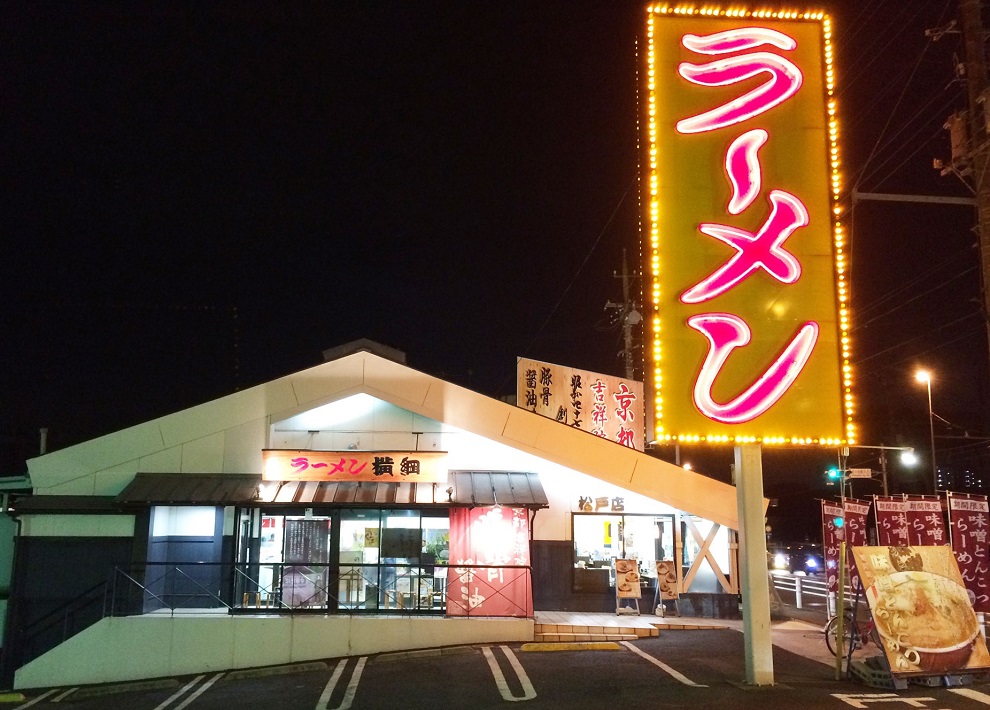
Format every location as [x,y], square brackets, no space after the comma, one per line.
[803,587]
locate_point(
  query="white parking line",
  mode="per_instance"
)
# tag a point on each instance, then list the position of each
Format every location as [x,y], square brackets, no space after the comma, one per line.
[199,691]
[860,700]
[352,686]
[168,701]
[972,695]
[29,703]
[62,697]
[529,692]
[321,704]
[677,675]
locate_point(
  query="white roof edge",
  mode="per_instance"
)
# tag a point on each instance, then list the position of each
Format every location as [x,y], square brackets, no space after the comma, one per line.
[428,396]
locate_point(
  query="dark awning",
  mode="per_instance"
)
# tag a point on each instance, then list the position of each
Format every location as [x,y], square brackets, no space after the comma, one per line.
[191,489]
[65,504]
[356,493]
[509,488]
[467,488]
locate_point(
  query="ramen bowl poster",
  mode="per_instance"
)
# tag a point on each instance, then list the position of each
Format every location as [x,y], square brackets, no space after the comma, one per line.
[921,609]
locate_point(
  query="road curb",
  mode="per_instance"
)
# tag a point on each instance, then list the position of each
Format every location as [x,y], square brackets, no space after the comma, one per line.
[572,646]
[423,653]
[276,670]
[96,691]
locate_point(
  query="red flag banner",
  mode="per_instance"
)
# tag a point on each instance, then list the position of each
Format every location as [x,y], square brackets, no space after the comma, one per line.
[926,524]
[969,520]
[484,542]
[856,514]
[832,535]
[892,521]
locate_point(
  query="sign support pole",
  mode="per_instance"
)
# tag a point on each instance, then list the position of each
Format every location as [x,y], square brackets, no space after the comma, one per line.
[753,574]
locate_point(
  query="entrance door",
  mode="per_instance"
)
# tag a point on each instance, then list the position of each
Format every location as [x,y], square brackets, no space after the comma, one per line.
[358,583]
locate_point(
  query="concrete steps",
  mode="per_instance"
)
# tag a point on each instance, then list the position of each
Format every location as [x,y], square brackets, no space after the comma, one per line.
[558,633]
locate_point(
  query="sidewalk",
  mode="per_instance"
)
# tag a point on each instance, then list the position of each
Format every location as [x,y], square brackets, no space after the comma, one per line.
[802,638]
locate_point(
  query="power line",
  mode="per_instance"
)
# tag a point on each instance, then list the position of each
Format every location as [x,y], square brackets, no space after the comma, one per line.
[917,296]
[895,108]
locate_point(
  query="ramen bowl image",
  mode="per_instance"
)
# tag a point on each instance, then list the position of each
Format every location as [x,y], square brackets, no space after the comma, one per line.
[926,621]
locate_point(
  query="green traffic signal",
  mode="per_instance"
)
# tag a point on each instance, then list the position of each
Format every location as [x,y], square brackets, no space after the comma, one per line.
[833,474]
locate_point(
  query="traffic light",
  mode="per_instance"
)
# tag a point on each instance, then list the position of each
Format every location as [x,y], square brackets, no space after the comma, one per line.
[838,521]
[833,475]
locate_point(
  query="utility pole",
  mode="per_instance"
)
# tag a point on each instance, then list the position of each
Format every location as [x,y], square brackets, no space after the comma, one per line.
[629,317]
[976,85]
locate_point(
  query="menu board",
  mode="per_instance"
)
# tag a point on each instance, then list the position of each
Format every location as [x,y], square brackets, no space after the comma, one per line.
[305,572]
[922,610]
[627,579]
[667,579]
[306,541]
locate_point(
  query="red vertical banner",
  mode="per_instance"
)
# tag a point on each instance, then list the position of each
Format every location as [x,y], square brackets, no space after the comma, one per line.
[969,520]
[855,518]
[832,535]
[926,523]
[489,562]
[892,521]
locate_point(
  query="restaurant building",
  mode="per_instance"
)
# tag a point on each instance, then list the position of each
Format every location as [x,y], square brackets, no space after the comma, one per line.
[359,506]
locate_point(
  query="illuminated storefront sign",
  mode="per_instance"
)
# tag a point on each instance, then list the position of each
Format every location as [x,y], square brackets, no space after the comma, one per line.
[747,290]
[379,466]
[606,406]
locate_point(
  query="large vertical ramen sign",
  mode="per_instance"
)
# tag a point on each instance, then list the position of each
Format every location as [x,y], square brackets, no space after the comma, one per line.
[744,240]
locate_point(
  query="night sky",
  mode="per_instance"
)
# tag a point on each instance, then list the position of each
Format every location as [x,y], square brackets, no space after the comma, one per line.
[200,198]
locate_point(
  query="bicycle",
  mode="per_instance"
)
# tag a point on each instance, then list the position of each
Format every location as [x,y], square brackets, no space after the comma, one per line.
[865,632]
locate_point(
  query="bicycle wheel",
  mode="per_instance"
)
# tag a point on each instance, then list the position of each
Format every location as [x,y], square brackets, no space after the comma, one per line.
[832,632]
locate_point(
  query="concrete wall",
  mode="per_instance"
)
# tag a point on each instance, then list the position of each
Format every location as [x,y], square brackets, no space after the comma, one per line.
[142,647]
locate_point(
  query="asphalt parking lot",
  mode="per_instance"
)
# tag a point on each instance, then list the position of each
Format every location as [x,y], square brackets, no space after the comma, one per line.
[696,668]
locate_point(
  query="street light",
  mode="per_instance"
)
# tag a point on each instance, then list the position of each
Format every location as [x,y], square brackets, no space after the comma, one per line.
[925,376]
[908,458]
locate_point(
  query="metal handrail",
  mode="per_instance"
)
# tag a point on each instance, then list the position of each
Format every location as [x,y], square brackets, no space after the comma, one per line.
[142,587]
[119,598]
[319,589]
[208,592]
[270,591]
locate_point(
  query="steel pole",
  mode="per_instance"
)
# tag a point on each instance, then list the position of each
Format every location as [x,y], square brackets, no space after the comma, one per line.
[931,431]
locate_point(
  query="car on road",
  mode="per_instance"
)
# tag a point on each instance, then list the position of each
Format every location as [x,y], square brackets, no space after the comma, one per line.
[797,558]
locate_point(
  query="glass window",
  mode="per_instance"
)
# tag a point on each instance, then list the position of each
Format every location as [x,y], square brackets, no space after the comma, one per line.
[360,534]
[381,559]
[600,539]
[188,521]
[436,540]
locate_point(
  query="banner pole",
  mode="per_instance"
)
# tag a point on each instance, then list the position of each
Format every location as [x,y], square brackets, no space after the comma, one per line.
[840,610]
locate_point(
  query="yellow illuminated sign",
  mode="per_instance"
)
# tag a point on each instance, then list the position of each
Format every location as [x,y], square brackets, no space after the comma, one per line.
[354,466]
[744,246]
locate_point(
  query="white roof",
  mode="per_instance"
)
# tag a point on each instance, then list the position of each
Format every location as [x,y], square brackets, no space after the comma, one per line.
[221,436]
